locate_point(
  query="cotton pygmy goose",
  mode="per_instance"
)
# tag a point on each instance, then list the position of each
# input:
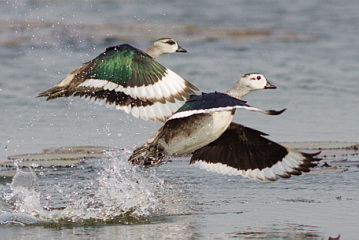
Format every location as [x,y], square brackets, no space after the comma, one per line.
[203,127]
[130,79]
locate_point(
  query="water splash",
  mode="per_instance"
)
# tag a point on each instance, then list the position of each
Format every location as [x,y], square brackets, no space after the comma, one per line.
[119,193]
[25,195]
[22,206]
[122,190]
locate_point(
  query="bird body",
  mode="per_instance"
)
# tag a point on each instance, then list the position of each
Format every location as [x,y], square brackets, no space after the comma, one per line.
[188,135]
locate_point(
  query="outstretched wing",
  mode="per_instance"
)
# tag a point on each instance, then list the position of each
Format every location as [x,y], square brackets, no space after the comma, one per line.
[215,102]
[244,151]
[130,79]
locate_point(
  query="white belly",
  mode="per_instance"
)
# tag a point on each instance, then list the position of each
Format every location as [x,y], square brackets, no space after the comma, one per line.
[199,134]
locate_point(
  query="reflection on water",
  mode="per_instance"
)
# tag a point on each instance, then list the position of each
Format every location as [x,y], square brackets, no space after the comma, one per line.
[277,231]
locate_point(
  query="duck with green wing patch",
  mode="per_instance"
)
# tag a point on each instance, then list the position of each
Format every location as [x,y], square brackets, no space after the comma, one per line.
[130,79]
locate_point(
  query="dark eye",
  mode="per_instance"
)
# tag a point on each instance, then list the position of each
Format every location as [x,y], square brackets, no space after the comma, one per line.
[258,77]
[171,42]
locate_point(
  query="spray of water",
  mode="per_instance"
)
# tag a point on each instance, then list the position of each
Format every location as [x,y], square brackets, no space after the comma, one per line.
[119,190]
[122,190]
[22,204]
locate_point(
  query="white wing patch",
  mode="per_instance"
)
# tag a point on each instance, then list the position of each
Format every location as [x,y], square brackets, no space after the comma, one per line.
[96,84]
[283,168]
[169,88]
[188,113]
[156,112]
[217,168]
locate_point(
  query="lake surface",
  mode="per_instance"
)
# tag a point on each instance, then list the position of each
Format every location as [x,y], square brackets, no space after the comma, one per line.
[309,50]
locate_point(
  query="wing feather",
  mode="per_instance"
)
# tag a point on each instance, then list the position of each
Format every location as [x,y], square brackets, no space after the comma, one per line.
[244,151]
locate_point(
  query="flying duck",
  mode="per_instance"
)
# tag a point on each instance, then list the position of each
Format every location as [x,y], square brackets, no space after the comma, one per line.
[131,79]
[203,127]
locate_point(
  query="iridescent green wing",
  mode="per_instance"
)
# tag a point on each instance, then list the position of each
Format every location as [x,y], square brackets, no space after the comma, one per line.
[126,66]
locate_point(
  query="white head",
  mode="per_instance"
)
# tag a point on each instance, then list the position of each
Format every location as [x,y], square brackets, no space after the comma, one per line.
[249,82]
[163,46]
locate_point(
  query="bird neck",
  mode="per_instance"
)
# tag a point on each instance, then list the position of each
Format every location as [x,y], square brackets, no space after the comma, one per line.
[153,52]
[238,92]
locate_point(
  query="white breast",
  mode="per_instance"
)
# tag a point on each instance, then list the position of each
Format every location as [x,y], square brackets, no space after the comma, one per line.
[200,133]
